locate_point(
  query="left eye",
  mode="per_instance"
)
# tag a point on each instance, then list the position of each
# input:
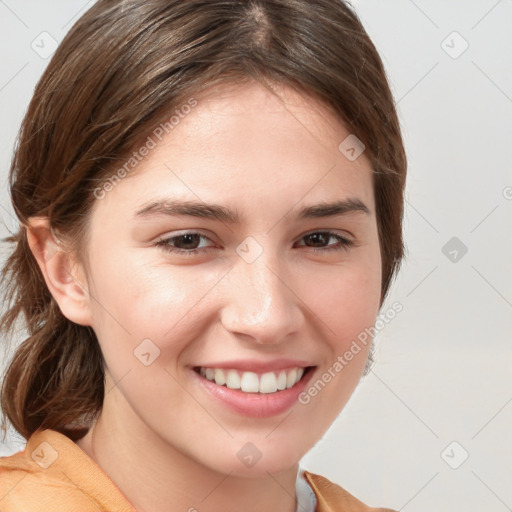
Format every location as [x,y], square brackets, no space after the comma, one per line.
[187,243]
[319,237]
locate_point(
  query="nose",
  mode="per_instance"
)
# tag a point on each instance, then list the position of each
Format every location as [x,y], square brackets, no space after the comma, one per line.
[261,305]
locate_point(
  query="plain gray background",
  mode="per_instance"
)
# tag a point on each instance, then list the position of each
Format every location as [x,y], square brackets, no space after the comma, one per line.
[443,371]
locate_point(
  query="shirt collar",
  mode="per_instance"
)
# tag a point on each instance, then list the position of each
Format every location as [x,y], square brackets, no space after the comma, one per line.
[306,498]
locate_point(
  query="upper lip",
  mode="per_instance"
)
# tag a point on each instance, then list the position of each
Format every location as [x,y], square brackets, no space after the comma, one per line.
[249,365]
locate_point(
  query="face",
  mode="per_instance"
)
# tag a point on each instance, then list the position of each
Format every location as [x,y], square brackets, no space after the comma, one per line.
[190,304]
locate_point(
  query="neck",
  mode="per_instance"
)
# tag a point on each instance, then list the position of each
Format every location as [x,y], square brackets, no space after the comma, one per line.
[156,477]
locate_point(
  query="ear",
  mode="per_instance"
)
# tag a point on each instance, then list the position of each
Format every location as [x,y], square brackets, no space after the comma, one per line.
[64,277]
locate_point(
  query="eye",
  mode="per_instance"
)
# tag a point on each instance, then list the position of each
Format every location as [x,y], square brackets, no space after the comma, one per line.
[186,243]
[319,238]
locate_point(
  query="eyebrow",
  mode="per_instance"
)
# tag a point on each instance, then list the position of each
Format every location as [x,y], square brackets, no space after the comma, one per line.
[223,214]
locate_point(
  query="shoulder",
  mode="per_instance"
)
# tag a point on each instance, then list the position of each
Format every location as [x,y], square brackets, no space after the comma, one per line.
[28,482]
[333,498]
[52,473]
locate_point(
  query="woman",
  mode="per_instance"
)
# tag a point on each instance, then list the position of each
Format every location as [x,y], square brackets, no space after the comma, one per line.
[210,198]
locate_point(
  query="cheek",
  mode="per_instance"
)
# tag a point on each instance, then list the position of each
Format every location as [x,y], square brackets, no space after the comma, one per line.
[346,302]
[345,298]
[349,304]
[136,300]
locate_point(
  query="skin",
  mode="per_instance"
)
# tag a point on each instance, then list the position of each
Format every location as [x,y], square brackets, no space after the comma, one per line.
[159,437]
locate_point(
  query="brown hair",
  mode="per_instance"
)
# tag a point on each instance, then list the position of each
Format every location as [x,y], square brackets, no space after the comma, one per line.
[122,66]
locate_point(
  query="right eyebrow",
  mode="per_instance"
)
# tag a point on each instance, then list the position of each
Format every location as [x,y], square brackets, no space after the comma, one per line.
[190,208]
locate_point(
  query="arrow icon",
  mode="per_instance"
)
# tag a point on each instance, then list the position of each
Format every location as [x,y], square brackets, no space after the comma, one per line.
[146,352]
[249,253]
[454,45]
[351,147]
[454,455]
[249,455]
[454,249]
[44,455]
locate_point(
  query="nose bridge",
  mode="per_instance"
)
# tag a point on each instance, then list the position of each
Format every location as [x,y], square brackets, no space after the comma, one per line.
[260,303]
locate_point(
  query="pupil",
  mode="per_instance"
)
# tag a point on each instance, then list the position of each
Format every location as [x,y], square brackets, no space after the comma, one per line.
[315,238]
[189,239]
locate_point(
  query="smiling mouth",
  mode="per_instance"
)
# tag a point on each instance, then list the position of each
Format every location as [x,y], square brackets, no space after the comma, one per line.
[252,382]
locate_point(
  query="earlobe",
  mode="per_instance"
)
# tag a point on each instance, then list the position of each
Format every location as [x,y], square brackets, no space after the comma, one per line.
[64,277]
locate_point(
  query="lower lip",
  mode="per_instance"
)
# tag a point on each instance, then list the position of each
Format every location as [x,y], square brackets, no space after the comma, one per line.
[256,405]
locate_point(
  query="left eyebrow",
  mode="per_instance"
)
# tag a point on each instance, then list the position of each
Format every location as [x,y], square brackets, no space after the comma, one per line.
[342,207]
[223,214]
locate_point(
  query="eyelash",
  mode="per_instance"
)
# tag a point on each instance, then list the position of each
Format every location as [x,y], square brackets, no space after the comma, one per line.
[345,243]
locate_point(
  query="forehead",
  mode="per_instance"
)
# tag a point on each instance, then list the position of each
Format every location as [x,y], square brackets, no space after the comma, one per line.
[246,115]
[245,142]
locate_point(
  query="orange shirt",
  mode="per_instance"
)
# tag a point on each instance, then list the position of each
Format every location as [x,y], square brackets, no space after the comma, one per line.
[53,474]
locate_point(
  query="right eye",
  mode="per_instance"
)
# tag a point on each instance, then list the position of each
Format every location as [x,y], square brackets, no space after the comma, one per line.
[185,243]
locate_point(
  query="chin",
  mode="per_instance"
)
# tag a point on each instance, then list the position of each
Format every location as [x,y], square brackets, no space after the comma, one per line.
[259,458]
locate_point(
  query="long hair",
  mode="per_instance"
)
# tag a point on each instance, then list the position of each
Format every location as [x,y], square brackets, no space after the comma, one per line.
[123,67]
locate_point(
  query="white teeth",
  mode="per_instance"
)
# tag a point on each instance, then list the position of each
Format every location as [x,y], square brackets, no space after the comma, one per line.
[220,377]
[268,383]
[233,379]
[281,380]
[291,379]
[251,382]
